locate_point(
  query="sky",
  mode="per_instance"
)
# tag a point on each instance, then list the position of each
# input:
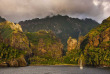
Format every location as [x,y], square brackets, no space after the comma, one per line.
[20,10]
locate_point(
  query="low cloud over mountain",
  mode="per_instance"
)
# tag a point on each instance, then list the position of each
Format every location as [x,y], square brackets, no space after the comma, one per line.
[17,10]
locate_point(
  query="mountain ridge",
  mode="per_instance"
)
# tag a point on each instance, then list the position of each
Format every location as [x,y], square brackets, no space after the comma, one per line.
[62,26]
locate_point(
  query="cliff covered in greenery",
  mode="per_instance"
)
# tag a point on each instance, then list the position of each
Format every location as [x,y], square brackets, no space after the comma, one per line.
[13,44]
[18,48]
[12,35]
[46,47]
[96,45]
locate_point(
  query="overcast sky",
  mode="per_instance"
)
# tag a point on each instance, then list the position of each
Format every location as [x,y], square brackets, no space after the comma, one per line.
[18,10]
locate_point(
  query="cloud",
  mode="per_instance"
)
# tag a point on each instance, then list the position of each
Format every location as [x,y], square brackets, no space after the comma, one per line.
[17,10]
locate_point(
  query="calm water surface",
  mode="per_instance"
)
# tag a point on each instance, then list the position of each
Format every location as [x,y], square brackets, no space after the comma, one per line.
[53,70]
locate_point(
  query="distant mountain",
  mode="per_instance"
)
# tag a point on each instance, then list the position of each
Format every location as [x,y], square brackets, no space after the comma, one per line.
[2,19]
[62,26]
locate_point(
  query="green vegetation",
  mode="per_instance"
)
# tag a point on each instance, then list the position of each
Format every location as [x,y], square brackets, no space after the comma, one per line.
[96,45]
[8,53]
[90,57]
[97,57]
[5,30]
[72,57]
[94,48]
[47,35]
[43,61]
[46,47]
[14,45]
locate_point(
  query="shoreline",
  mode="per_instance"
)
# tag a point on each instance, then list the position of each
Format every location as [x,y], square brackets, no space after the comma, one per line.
[53,65]
[65,65]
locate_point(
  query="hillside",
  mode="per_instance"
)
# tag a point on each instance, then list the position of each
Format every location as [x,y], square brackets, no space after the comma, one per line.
[14,45]
[96,45]
[13,35]
[62,26]
[93,48]
[19,49]
[46,47]
[98,37]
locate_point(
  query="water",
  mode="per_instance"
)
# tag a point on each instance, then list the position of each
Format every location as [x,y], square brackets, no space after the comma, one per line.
[53,70]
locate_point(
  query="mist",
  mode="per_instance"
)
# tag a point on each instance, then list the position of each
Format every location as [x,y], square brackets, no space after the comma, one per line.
[19,10]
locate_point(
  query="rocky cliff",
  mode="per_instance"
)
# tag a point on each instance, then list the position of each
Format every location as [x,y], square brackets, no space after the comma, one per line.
[13,44]
[72,43]
[18,48]
[12,35]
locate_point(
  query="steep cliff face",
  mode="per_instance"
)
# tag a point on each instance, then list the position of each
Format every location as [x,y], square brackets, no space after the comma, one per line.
[12,35]
[45,44]
[16,46]
[72,43]
[96,45]
[13,44]
[98,37]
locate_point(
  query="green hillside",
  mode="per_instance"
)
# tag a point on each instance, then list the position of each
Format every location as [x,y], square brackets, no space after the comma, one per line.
[14,45]
[96,45]
[46,47]
[19,49]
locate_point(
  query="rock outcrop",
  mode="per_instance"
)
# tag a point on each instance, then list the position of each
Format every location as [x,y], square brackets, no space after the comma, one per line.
[14,26]
[72,43]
